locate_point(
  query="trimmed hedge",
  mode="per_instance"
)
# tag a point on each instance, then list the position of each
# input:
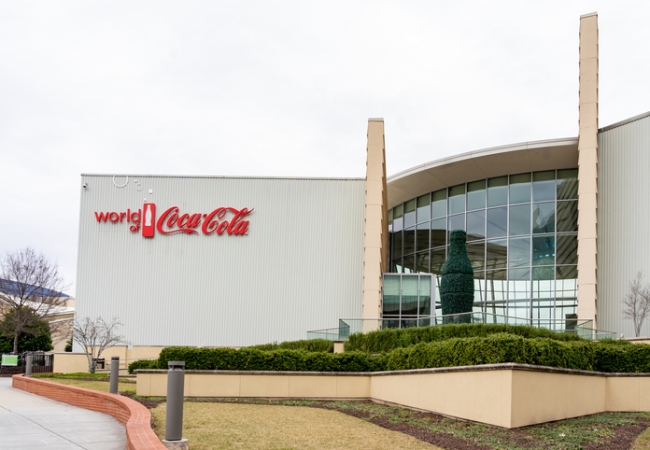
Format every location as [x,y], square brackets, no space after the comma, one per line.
[391,339]
[310,345]
[143,364]
[494,349]
[276,360]
[464,351]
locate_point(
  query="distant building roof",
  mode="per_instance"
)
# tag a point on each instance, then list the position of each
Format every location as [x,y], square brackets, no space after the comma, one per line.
[10,287]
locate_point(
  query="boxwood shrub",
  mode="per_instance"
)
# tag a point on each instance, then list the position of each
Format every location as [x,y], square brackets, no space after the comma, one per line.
[310,345]
[277,360]
[457,351]
[391,339]
[143,364]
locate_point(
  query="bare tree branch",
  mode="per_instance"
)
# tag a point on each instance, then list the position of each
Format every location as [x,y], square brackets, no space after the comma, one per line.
[636,304]
[30,285]
[95,336]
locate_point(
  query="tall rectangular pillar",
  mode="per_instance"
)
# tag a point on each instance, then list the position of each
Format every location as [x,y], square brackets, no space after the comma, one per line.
[588,168]
[375,239]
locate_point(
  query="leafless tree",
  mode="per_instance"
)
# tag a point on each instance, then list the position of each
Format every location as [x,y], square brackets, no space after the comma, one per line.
[637,303]
[95,336]
[30,286]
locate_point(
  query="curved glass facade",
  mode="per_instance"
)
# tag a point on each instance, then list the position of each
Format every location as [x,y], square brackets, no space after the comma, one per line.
[521,239]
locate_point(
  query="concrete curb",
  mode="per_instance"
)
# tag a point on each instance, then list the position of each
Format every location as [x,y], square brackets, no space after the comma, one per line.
[133,415]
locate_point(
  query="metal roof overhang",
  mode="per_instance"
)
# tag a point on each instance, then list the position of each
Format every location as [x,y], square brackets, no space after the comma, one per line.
[479,164]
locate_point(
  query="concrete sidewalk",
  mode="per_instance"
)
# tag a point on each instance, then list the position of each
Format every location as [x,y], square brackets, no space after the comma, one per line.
[28,421]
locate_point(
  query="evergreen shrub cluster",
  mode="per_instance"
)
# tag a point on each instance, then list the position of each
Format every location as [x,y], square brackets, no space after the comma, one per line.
[310,345]
[391,339]
[143,364]
[419,348]
[275,360]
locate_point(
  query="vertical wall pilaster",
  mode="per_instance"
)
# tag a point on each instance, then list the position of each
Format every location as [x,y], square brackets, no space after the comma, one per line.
[375,240]
[588,168]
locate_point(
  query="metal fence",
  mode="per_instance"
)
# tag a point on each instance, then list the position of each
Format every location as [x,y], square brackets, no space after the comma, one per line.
[348,326]
[42,363]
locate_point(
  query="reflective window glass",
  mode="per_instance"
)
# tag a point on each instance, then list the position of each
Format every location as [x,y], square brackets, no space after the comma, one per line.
[457,222]
[519,252]
[565,310]
[391,294]
[399,267]
[409,213]
[479,290]
[397,245]
[567,249]
[425,297]
[422,262]
[567,184]
[497,222]
[439,203]
[496,289]
[520,188]
[476,195]
[409,305]
[398,218]
[409,264]
[409,241]
[438,257]
[496,254]
[543,283]
[424,208]
[519,219]
[457,199]
[519,293]
[566,284]
[422,236]
[543,217]
[544,186]
[476,225]
[476,253]
[567,216]
[497,191]
[544,250]
[438,232]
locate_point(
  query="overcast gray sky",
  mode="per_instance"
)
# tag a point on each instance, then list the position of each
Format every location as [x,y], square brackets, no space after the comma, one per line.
[282,88]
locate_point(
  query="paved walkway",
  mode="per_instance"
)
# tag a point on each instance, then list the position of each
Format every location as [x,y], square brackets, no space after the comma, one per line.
[28,421]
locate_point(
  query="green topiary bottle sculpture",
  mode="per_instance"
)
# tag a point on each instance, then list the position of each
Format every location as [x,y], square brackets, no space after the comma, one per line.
[457,283]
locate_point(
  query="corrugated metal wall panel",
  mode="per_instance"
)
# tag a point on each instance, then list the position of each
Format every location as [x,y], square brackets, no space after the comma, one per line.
[299,268]
[623,219]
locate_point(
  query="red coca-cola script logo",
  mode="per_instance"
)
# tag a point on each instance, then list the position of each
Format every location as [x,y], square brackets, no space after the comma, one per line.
[223,220]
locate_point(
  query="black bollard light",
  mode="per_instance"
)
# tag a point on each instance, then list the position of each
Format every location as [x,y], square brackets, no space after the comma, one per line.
[115,373]
[29,360]
[174,418]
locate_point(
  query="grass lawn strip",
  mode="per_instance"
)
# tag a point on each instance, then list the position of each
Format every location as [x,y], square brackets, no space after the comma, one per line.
[252,426]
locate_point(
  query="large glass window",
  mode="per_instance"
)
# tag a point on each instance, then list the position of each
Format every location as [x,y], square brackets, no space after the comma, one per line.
[457,199]
[406,300]
[521,241]
[476,195]
[424,208]
[520,188]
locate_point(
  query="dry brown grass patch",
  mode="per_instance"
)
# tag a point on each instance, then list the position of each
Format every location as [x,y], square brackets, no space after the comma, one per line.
[211,426]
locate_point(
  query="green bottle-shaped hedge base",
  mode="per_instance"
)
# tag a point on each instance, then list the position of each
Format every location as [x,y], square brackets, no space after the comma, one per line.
[457,281]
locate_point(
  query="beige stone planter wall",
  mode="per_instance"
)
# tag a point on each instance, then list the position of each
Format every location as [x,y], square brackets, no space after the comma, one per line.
[505,395]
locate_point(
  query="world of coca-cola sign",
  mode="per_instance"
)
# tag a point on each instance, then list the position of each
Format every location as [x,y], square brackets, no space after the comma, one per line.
[223,220]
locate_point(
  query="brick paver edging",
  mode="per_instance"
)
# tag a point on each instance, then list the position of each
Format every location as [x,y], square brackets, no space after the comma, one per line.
[135,416]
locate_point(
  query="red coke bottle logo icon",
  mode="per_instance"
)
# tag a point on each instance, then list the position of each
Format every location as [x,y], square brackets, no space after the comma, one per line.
[149,220]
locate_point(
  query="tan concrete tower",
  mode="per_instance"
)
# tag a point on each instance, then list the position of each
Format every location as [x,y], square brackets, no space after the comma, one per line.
[375,239]
[588,168]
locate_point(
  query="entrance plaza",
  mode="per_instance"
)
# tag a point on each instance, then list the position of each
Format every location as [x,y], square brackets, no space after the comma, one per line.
[31,422]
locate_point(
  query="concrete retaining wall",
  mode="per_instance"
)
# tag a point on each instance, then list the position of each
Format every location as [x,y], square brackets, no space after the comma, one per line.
[505,395]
